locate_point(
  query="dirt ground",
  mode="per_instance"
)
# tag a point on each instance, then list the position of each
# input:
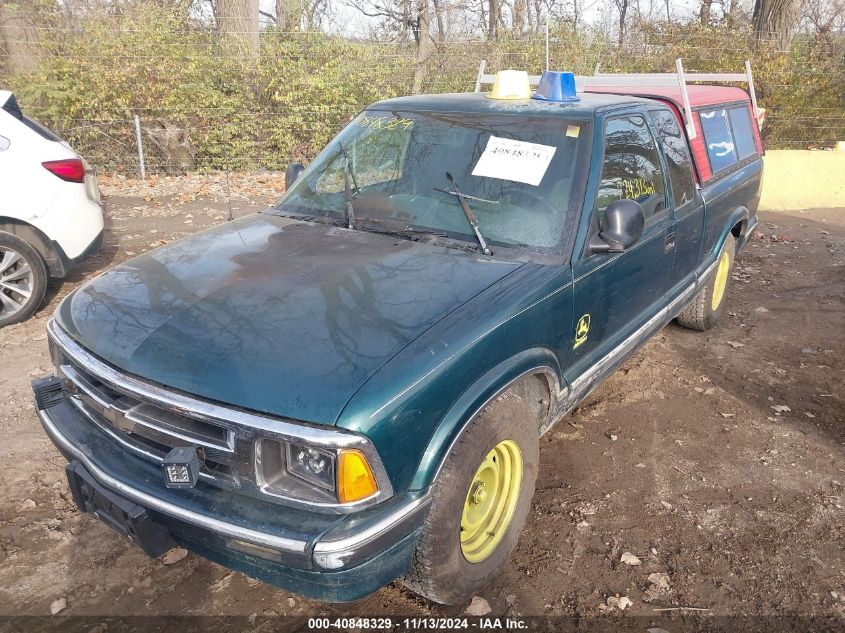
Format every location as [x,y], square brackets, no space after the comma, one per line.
[715,458]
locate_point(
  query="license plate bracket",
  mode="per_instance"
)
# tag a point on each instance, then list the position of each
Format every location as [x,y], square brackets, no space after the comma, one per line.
[121,514]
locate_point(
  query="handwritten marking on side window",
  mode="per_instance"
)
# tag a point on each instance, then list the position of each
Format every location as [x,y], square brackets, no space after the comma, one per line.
[384,122]
[637,188]
[517,161]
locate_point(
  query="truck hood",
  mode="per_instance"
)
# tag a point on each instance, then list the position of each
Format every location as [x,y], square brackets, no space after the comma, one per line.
[273,314]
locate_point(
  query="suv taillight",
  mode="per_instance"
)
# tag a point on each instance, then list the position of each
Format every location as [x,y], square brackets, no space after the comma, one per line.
[70,169]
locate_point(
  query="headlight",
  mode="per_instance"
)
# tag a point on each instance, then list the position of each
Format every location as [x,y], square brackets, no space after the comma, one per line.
[312,465]
[307,473]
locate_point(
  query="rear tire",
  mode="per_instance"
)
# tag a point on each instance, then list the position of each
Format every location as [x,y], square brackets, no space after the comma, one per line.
[503,434]
[23,279]
[707,305]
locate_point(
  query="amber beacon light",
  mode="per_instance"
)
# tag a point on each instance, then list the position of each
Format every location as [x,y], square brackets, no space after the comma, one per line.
[510,84]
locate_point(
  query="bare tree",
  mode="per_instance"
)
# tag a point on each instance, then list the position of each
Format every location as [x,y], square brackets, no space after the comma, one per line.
[733,12]
[313,12]
[294,15]
[287,15]
[520,9]
[425,46]
[825,17]
[494,16]
[403,17]
[438,16]
[622,6]
[237,21]
[397,16]
[776,20]
[19,38]
[703,12]
[406,22]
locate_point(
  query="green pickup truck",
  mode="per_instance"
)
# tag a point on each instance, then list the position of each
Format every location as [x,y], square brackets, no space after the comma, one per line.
[350,387]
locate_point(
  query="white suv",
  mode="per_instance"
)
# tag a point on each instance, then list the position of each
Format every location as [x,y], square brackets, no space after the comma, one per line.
[50,211]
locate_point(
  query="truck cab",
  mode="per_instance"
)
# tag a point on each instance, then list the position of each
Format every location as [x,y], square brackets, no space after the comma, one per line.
[350,387]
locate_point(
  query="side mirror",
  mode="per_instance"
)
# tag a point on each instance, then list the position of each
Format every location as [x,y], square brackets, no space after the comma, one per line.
[622,227]
[292,173]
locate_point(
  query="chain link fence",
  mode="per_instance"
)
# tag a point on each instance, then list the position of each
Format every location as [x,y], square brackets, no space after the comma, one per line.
[201,108]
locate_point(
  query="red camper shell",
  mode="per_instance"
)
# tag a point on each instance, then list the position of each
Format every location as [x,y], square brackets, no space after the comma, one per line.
[722,103]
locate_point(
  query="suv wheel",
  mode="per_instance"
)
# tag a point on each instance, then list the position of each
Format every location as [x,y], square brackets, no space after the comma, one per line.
[23,279]
[481,500]
[704,310]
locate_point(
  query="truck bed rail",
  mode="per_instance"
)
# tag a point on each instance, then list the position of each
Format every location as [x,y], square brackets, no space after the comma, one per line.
[677,79]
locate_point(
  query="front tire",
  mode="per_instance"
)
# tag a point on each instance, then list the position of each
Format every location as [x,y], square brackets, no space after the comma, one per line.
[480,502]
[23,279]
[704,310]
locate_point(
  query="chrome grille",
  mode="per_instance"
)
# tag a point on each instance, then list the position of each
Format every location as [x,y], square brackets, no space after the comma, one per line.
[148,430]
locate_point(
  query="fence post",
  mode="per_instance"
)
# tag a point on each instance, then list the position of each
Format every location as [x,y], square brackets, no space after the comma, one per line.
[140,146]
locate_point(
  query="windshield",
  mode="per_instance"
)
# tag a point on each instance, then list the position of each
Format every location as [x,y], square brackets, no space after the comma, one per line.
[514,172]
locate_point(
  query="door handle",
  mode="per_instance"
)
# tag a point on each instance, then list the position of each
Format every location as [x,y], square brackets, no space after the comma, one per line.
[669,243]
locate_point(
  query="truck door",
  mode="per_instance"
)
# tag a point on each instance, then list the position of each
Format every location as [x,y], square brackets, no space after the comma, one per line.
[616,293]
[687,203]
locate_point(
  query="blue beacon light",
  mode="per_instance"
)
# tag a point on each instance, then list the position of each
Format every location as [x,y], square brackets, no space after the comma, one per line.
[556,86]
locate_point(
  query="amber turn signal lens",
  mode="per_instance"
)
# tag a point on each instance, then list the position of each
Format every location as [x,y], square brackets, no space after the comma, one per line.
[355,480]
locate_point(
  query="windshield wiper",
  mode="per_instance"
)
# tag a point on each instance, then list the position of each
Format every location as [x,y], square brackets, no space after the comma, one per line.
[473,222]
[348,168]
[347,190]
[466,195]
[381,226]
[414,230]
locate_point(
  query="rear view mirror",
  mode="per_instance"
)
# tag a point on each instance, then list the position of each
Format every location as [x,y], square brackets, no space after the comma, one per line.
[292,173]
[621,229]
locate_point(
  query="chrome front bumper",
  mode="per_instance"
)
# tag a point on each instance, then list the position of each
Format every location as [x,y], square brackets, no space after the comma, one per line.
[308,541]
[148,501]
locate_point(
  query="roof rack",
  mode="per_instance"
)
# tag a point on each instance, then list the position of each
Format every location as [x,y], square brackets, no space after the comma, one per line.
[679,78]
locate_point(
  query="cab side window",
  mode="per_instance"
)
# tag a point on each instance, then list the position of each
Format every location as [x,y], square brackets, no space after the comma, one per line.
[717,136]
[676,151]
[631,167]
[743,133]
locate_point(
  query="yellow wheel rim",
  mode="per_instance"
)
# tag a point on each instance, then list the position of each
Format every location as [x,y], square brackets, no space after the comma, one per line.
[490,501]
[721,281]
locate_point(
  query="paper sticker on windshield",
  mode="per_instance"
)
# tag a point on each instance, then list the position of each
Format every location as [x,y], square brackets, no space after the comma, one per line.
[518,161]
